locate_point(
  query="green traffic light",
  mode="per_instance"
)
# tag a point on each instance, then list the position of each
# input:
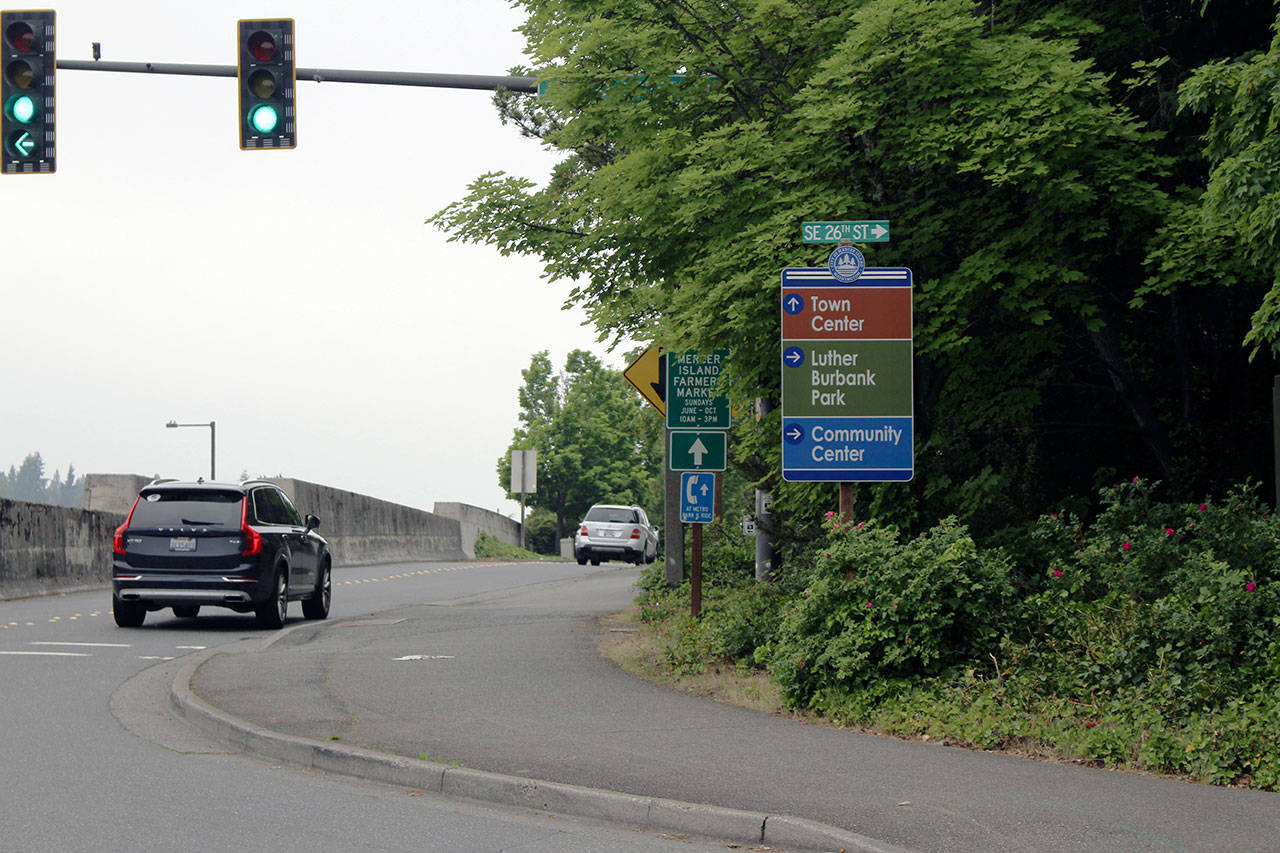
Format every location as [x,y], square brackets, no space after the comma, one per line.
[22,109]
[263,118]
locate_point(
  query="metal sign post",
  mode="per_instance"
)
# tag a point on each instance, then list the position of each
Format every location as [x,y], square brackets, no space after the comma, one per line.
[697,507]
[524,479]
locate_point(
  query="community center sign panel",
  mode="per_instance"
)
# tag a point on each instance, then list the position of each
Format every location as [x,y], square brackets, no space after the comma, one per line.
[847,403]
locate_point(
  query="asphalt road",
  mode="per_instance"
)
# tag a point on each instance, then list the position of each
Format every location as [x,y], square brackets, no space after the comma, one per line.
[509,681]
[93,759]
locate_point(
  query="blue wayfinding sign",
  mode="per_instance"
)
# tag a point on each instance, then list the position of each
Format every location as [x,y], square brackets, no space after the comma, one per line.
[847,375]
[847,449]
[697,497]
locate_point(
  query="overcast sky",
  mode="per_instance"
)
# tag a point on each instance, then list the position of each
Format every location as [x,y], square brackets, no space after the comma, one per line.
[293,297]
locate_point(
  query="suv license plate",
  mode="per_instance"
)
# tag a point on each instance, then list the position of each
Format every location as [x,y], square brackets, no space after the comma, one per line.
[185,543]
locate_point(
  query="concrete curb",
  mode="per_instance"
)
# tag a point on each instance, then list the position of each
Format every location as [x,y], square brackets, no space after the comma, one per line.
[735,825]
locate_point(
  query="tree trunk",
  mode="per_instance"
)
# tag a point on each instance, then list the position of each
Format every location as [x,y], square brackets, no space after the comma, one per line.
[1135,397]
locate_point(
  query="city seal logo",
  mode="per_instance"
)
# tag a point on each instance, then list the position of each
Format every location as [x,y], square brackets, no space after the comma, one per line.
[846,264]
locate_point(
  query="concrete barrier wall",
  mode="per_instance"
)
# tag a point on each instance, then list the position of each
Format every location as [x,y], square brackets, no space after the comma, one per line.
[362,530]
[45,549]
[473,519]
[111,492]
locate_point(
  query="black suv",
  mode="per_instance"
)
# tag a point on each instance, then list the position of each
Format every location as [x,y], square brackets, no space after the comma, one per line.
[236,545]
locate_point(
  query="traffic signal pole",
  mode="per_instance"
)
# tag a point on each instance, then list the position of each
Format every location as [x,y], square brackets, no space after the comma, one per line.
[318,75]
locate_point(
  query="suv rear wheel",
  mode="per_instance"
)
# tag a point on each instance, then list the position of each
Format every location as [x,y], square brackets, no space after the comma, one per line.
[271,613]
[129,614]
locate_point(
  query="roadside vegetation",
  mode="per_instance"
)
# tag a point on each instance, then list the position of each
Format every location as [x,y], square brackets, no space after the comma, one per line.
[492,548]
[1086,194]
[1146,639]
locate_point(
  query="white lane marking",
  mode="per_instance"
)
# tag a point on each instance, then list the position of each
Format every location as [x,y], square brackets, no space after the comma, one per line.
[52,654]
[155,657]
[196,648]
[425,657]
[93,645]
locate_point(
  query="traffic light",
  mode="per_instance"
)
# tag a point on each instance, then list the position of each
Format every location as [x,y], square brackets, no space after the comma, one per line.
[267,77]
[26,92]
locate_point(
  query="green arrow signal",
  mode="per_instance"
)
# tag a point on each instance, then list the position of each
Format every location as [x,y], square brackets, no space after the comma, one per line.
[24,144]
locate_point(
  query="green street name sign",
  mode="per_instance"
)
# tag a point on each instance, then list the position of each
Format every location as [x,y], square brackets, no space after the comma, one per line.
[865,231]
[693,401]
[692,450]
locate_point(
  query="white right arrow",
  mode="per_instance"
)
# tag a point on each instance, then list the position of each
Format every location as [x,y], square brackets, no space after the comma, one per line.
[698,449]
[879,230]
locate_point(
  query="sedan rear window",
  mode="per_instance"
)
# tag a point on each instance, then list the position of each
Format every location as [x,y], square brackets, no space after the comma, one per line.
[612,515]
[176,508]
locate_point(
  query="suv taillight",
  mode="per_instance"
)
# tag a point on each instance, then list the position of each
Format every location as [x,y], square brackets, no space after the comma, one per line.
[635,533]
[117,539]
[252,539]
[583,531]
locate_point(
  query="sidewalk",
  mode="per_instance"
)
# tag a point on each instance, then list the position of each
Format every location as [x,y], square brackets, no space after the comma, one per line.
[504,689]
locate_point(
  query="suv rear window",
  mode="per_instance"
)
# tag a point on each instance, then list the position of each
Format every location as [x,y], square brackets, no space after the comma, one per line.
[177,508]
[612,515]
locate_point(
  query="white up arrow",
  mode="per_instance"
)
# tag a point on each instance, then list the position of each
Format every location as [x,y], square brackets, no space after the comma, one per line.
[698,449]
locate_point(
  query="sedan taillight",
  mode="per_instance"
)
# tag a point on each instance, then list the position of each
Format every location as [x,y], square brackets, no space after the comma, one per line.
[117,539]
[252,539]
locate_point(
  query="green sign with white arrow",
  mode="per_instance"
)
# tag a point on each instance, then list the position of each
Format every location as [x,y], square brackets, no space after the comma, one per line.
[692,450]
[864,231]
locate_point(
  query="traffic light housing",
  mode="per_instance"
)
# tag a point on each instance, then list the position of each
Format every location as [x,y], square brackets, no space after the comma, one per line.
[27,71]
[267,78]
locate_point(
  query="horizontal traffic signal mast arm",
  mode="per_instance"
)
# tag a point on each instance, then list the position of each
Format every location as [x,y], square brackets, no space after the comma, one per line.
[318,75]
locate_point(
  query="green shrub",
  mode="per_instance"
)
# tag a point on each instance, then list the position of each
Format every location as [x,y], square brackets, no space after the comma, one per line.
[879,608]
[1173,605]
[490,547]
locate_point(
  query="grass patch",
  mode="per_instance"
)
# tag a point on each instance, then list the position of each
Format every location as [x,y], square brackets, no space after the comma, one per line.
[642,648]
[491,548]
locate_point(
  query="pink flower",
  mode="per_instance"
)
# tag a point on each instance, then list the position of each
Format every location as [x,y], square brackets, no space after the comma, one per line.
[1126,546]
[1249,586]
[1170,531]
[830,513]
[1135,479]
[860,523]
[1202,507]
[1057,573]
[1053,515]
[868,605]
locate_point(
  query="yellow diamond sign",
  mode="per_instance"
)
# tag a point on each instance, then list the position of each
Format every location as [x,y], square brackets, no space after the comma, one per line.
[646,375]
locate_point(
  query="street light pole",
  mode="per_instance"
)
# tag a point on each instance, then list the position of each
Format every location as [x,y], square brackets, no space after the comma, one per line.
[213,444]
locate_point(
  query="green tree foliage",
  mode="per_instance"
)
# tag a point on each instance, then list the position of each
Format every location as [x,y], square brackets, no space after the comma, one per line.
[1242,202]
[1073,317]
[27,482]
[595,443]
